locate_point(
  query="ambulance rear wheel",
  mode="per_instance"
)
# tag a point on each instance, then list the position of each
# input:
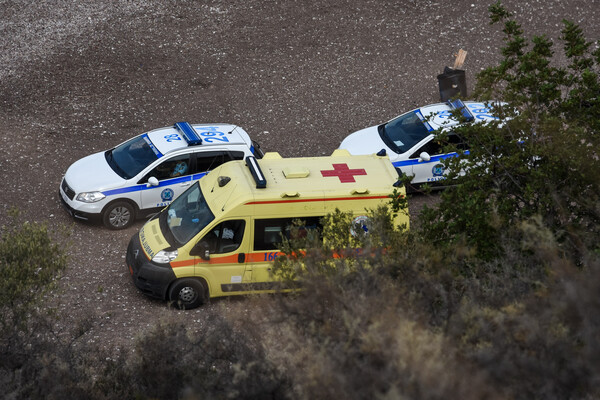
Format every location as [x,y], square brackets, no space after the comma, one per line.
[186,294]
[118,215]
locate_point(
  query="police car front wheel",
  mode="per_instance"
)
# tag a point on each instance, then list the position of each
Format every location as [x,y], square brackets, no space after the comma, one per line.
[186,294]
[119,215]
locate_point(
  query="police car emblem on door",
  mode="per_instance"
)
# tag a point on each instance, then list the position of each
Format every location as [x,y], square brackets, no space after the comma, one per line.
[167,195]
[438,170]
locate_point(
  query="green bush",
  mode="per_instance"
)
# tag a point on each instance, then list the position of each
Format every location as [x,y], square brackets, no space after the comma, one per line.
[502,274]
[29,263]
[175,361]
[539,159]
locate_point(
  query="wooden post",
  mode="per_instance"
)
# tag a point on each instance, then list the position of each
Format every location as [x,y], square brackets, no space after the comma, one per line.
[460,59]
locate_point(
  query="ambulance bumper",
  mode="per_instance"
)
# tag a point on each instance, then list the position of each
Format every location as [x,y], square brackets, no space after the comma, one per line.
[152,279]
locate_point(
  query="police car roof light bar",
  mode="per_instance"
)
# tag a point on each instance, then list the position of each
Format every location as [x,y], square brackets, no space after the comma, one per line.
[256,172]
[459,105]
[189,133]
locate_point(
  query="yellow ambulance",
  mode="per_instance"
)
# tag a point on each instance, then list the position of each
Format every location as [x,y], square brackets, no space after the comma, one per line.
[221,236]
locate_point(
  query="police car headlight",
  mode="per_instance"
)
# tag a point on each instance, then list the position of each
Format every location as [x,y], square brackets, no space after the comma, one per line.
[90,197]
[164,257]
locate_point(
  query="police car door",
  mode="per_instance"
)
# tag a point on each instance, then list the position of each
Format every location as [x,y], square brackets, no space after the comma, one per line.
[429,158]
[426,166]
[165,182]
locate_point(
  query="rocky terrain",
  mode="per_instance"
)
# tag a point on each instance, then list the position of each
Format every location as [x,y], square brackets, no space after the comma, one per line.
[78,77]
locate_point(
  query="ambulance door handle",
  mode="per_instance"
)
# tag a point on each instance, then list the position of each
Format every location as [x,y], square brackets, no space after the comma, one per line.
[241,258]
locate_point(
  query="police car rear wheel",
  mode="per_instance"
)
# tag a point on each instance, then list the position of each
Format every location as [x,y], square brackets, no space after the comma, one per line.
[187,294]
[119,215]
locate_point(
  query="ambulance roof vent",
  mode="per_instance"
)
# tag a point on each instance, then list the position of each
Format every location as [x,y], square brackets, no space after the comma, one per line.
[459,105]
[189,133]
[223,180]
[295,172]
[272,155]
[340,153]
[256,172]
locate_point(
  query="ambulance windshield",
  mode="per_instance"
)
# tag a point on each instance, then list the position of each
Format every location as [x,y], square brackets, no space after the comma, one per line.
[129,158]
[402,133]
[185,217]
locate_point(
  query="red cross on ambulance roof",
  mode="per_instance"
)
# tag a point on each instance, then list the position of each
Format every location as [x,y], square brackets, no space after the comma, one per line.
[343,172]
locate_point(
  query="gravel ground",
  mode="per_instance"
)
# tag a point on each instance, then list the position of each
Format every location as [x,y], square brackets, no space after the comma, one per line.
[78,77]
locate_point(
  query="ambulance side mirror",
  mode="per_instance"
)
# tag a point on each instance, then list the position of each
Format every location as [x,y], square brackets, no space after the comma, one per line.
[424,156]
[152,181]
[201,249]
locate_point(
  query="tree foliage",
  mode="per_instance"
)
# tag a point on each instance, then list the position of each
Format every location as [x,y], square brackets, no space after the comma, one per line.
[30,261]
[539,158]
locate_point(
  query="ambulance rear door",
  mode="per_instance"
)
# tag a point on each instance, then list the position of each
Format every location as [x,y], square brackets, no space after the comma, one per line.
[268,234]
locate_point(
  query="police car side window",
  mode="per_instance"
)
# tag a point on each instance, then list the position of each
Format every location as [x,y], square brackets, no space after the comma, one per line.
[206,161]
[432,147]
[268,233]
[457,141]
[171,168]
[435,146]
[234,155]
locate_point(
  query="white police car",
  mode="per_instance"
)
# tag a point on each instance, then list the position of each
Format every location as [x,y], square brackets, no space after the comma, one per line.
[409,139]
[142,175]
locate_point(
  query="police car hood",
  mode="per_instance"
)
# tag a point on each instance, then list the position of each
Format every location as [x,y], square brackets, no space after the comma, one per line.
[92,173]
[365,141]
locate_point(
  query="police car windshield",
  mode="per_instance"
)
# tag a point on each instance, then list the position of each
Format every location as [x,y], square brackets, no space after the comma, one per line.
[131,157]
[402,133]
[185,217]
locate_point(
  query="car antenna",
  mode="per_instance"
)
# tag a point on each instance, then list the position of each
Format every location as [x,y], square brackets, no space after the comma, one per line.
[216,173]
[226,201]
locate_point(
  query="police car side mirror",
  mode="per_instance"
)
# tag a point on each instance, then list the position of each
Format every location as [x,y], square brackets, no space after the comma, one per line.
[424,156]
[201,249]
[152,181]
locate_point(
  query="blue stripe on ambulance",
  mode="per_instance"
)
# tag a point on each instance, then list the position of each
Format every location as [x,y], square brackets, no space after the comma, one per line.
[166,182]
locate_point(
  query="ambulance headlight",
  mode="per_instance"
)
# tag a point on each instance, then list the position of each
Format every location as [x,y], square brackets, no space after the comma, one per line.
[90,197]
[164,256]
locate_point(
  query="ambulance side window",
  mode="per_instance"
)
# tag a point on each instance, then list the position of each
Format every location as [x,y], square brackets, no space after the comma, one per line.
[268,232]
[225,237]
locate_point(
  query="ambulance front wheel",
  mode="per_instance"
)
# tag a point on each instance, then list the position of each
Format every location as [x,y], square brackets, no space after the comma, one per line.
[118,215]
[186,294]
